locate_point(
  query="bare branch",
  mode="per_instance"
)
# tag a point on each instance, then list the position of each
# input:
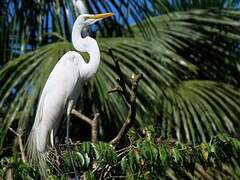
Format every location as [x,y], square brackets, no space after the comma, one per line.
[82,117]
[131,112]
[13,131]
[94,126]
[9,175]
[93,123]
[130,99]
[116,89]
[20,142]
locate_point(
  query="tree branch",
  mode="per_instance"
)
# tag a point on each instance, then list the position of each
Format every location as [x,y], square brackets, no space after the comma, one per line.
[116,89]
[93,123]
[130,99]
[94,126]
[82,117]
[19,134]
[131,112]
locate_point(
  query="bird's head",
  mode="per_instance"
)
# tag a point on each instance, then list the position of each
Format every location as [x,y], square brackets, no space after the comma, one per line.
[87,19]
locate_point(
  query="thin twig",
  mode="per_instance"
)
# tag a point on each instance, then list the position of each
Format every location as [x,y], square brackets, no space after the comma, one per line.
[127,149]
[116,89]
[121,177]
[107,170]
[19,134]
[124,150]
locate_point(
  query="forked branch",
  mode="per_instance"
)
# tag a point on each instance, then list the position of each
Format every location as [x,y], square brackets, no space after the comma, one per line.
[19,134]
[92,122]
[129,97]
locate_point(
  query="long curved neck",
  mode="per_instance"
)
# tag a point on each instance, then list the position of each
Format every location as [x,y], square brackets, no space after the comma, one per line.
[88,45]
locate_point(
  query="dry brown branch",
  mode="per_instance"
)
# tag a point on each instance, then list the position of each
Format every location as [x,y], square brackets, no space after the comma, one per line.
[81,116]
[93,123]
[94,126]
[131,112]
[116,89]
[9,174]
[129,97]
[19,134]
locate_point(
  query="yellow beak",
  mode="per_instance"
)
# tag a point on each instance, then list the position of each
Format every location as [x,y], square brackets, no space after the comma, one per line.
[101,16]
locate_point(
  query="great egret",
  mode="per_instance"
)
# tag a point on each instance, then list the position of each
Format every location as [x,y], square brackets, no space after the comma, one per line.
[63,85]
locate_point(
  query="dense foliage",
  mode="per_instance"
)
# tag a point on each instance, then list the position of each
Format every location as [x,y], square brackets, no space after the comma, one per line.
[151,158]
[146,157]
[14,168]
[184,54]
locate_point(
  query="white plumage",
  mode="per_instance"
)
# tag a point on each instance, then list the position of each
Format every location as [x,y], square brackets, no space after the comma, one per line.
[63,86]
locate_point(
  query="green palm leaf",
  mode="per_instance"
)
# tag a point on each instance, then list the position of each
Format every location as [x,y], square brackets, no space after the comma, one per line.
[199,109]
[183,47]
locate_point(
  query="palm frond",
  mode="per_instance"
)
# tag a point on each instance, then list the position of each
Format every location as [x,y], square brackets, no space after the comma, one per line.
[180,5]
[196,110]
[21,87]
[206,39]
[184,47]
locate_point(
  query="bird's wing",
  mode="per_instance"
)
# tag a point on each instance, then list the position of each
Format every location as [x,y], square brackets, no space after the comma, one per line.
[61,86]
[61,82]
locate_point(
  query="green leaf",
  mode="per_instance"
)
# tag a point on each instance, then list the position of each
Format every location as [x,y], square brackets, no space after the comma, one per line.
[89,175]
[81,158]
[87,159]
[164,157]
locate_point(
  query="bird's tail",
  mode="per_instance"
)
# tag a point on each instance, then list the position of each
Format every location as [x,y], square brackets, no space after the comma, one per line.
[36,159]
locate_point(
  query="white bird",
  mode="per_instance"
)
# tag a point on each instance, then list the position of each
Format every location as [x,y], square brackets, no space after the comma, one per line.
[63,85]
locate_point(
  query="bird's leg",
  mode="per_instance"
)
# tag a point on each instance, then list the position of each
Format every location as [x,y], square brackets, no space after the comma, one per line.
[69,109]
